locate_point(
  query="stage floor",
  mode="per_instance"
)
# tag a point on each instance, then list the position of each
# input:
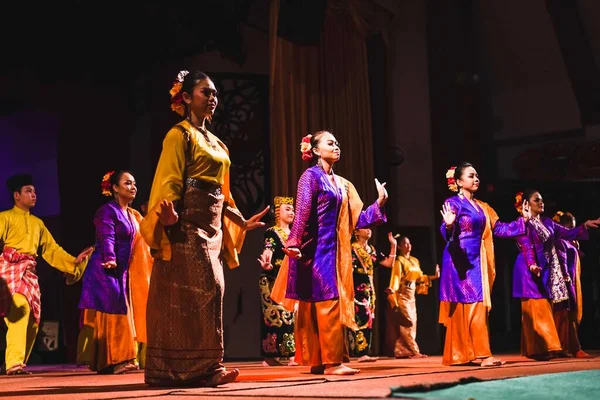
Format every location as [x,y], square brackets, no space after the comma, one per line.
[255,381]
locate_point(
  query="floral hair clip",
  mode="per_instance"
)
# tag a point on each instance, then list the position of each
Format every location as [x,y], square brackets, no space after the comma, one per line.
[451,179]
[557,216]
[176,97]
[105,184]
[306,148]
[519,202]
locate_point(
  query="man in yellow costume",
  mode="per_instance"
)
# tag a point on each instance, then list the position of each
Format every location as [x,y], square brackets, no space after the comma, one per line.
[22,235]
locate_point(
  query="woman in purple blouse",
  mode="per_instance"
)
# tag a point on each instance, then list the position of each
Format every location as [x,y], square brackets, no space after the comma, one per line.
[107,340]
[318,270]
[468,269]
[541,278]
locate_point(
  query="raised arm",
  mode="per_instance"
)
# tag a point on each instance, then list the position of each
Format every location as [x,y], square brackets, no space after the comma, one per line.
[449,212]
[371,216]
[374,214]
[388,261]
[505,229]
[577,233]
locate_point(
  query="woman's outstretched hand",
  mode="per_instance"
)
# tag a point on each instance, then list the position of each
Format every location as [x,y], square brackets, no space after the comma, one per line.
[292,252]
[167,215]
[254,221]
[84,254]
[382,193]
[448,214]
[592,223]
[392,239]
[265,260]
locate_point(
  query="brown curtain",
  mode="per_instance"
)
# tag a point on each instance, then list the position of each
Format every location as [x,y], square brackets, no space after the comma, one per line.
[322,87]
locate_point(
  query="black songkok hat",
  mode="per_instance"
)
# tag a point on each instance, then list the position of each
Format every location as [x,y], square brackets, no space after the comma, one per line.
[16,182]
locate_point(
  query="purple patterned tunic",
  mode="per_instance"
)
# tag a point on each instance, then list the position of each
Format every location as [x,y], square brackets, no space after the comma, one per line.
[314,231]
[460,279]
[533,249]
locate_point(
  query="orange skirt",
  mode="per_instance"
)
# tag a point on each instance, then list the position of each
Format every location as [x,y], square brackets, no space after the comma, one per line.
[567,327]
[105,340]
[538,332]
[320,333]
[467,336]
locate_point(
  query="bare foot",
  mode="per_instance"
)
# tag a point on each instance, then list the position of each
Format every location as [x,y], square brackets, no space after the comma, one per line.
[492,362]
[222,377]
[341,370]
[582,354]
[18,369]
[292,363]
[367,359]
[271,362]
[418,355]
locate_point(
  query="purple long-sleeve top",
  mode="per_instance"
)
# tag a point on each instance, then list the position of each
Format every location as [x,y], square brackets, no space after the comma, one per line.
[314,231]
[460,278]
[526,284]
[105,289]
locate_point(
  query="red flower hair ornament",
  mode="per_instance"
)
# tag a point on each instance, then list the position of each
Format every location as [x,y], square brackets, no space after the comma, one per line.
[177,104]
[519,202]
[106,185]
[451,180]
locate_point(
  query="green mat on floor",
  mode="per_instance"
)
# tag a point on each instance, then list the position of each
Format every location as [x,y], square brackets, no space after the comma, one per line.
[578,385]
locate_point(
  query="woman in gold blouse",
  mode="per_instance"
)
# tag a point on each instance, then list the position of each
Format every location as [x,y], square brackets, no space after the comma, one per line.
[185,300]
[406,280]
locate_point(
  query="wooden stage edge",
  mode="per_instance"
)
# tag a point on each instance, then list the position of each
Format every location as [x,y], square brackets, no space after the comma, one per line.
[256,381]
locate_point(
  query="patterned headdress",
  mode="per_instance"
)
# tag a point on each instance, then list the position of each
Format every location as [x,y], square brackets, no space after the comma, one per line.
[278,201]
[106,185]
[451,179]
[519,202]
[177,104]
